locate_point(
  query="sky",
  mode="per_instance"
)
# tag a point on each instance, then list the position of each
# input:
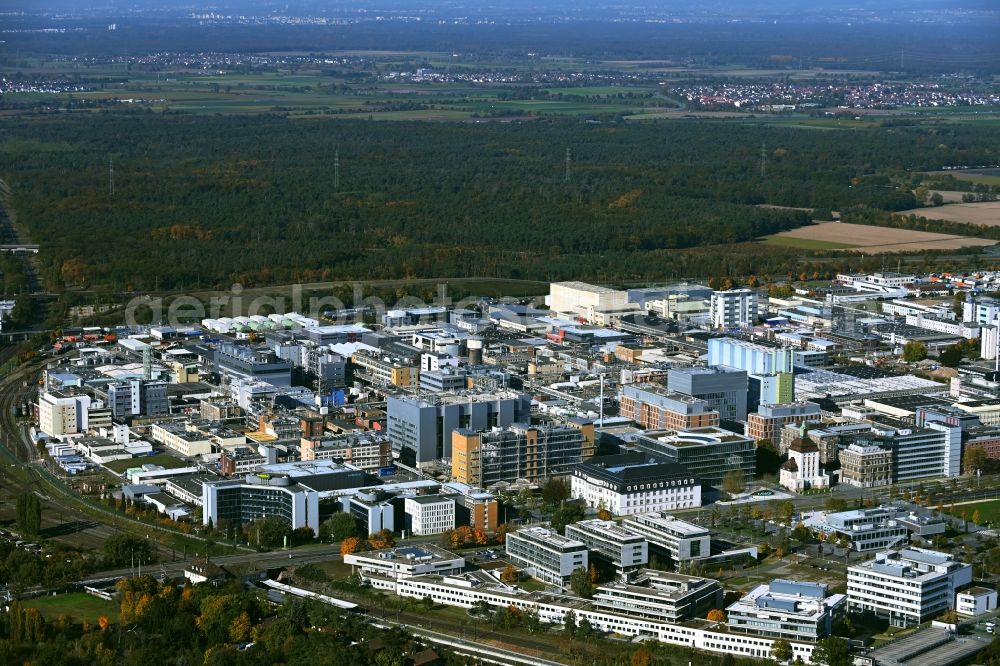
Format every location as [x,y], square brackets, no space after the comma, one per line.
[789,8]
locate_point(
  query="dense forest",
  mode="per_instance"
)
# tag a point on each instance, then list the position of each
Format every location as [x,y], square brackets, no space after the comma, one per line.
[204,201]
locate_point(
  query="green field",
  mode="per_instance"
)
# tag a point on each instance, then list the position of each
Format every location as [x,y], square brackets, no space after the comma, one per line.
[162,459]
[79,606]
[804,243]
[311,92]
[989,511]
[978,178]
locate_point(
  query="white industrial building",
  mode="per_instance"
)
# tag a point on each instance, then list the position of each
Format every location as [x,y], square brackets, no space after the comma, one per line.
[404,562]
[793,610]
[908,586]
[545,554]
[733,309]
[62,414]
[976,601]
[682,540]
[594,304]
[606,539]
[430,514]
[470,589]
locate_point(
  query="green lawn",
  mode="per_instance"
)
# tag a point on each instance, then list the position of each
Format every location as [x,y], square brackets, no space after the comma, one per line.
[989,511]
[804,243]
[531,585]
[336,569]
[163,459]
[79,606]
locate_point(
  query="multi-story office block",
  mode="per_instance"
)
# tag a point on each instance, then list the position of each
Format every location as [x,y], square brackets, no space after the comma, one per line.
[182,438]
[633,483]
[733,309]
[430,514]
[243,460]
[423,425]
[656,408]
[473,506]
[445,379]
[251,364]
[137,397]
[792,610]
[625,550]
[62,413]
[866,466]
[373,510]
[752,357]
[367,451]
[918,453]
[260,496]
[724,389]
[906,587]
[867,529]
[776,389]
[660,596]
[709,453]
[519,452]
[681,540]
[770,419]
[379,369]
[546,554]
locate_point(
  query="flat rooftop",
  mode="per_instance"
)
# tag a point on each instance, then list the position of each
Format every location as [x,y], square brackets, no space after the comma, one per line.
[422,553]
[607,528]
[668,523]
[547,537]
[583,286]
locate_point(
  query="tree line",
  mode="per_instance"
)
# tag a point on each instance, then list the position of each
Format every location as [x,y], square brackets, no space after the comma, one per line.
[205,201]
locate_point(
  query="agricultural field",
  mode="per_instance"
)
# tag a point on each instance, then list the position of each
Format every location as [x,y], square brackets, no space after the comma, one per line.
[986,213]
[805,243]
[978,176]
[870,239]
[949,196]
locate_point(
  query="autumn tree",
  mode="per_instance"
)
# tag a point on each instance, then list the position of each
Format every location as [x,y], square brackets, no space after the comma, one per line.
[239,629]
[716,615]
[350,545]
[641,657]
[509,574]
[381,540]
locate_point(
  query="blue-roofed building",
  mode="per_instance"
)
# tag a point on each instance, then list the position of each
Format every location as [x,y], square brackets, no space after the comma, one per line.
[792,610]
